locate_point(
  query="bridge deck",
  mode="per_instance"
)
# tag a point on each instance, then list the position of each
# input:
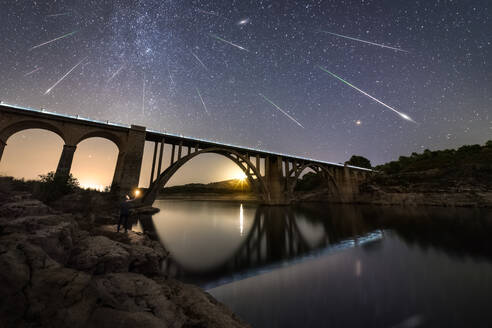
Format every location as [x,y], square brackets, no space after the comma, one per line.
[170,138]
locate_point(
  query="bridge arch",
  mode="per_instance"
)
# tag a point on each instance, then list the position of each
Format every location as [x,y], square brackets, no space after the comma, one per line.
[19,126]
[296,172]
[21,162]
[101,134]
[94,162]
[243,162]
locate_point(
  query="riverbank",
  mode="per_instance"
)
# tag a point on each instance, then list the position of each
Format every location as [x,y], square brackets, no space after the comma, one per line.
[232,197]
[66,266]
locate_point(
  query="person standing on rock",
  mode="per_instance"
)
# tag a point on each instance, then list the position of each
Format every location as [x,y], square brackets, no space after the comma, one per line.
[124,213]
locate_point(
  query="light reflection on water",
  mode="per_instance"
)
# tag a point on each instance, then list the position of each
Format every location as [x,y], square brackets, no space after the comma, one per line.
[319,265]
[199,236]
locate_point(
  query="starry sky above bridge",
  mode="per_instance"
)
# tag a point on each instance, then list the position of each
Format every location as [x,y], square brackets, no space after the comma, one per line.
[323,79]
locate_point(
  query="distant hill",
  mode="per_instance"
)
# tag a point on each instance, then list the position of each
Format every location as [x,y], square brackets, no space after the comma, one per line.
[221,187]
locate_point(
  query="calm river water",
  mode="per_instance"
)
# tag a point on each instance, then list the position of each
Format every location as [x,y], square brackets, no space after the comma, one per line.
[334,265]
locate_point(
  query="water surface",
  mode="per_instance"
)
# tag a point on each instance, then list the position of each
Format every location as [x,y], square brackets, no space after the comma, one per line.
[333,265]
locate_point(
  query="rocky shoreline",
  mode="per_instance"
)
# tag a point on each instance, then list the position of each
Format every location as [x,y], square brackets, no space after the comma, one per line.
[68,269]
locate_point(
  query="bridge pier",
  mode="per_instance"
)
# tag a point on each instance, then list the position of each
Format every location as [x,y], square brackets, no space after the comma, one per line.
[65,162]
[127,173]
[2,147]
[275,182]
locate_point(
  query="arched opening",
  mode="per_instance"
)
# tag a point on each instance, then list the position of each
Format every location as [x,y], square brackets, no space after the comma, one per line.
[313,178]
[207,168]
[31,152]
[252,173]
[94,163]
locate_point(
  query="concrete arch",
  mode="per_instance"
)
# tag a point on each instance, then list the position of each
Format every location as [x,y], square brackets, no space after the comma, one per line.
[297,172]
[244,163]
[101,134]
[94,162]
[19,126]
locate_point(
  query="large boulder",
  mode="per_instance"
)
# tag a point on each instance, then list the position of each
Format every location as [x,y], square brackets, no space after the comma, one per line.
[21,205]
[60,297]
[100,255]
[19,260]
[139,297]
[201,309]
[53,233]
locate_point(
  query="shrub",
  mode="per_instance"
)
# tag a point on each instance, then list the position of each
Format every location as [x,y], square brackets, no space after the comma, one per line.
[53,187]
[359,161]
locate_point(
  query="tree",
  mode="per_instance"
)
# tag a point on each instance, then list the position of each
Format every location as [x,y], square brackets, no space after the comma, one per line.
[359,161]
[53,187]
[488,144]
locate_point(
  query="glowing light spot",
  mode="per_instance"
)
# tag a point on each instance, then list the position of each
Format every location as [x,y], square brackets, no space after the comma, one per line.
[92,185]
[241,176]
[243,21]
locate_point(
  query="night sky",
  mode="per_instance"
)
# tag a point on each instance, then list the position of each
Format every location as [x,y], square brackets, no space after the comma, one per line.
[248,72]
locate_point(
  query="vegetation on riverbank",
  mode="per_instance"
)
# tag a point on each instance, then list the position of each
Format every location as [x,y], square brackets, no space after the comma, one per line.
[467,166]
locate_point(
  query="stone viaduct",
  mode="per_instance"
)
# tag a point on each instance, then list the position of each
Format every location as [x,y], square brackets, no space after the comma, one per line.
[272,175]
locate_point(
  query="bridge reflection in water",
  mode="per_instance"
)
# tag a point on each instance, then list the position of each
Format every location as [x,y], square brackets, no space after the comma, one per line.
[267,238]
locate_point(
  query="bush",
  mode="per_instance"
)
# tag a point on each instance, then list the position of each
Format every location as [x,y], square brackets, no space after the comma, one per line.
[359,161]
[53,187]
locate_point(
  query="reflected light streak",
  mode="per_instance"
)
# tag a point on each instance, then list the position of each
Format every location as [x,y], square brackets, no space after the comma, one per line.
[241,219]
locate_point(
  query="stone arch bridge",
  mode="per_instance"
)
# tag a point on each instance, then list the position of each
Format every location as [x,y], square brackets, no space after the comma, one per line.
[273,176]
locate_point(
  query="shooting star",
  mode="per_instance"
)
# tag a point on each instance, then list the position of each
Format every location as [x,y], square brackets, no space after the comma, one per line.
[60,14]
[55,39]
[243,22]
[368,42]
[280,109]
[228,42]
[143,95]
[64,76]
[33,71]
[203,103]
[402,115]
[207,12]
[196,57]
[115,73]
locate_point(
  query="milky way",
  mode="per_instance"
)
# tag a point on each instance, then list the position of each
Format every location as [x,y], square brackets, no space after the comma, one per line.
[154,63]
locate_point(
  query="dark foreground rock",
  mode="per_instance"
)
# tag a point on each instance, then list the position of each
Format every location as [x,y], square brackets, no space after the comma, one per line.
[54,274]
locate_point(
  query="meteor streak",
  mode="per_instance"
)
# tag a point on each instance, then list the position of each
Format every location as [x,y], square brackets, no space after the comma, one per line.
[143,95]
[55,39]
[402,115]
[115,73]
[280,109]
[64,76]
[60,14]
[228,42]
[33,71]
[368,42]
[196,57]
[207,12]
[203,103]
[243,21]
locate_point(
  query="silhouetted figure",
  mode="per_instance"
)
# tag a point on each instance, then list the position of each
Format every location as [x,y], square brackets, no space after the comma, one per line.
[124,213]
